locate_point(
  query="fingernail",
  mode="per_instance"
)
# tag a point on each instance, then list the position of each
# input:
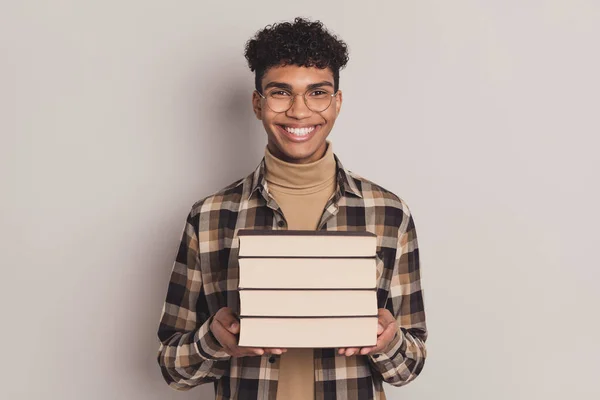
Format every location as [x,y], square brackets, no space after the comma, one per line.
[234,325]
[350,353]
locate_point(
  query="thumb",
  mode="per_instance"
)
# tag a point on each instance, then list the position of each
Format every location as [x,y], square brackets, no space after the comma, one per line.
[229,321]
[234,327]
[380,329]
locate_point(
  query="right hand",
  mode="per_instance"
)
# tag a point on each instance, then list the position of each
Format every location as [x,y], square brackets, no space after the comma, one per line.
[225,326]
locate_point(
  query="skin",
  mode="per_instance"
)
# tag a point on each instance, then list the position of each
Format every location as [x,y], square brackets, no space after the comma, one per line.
[225,325]
[386,331]
[298,115]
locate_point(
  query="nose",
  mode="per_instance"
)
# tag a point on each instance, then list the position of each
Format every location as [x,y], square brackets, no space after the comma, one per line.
[298,109]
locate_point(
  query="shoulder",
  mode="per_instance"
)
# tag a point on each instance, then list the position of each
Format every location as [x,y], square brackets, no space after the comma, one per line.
[372,190]
[226,198]
[382,199]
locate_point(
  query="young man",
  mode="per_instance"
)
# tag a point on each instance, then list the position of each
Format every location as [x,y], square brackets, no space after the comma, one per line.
[299,184]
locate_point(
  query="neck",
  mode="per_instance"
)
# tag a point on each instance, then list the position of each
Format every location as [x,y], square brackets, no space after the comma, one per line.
[317,155]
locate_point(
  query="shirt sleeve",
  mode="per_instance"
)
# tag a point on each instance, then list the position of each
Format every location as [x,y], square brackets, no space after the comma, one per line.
[403,359]
[189,354]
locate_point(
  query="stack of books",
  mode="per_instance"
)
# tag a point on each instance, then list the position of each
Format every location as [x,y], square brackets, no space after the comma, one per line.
[307,288]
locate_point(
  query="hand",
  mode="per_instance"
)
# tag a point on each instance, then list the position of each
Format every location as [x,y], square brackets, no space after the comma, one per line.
[225,326]
[386,331]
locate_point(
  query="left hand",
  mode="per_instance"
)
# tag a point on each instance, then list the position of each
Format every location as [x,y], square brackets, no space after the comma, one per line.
[386,331]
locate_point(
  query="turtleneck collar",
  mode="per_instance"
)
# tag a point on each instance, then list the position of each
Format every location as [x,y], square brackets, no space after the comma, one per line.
[285,175]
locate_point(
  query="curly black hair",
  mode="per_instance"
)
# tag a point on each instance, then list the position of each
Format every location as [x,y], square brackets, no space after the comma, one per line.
[303,43]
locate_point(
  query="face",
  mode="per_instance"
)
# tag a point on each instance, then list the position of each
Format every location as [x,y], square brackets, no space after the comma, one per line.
[297,148]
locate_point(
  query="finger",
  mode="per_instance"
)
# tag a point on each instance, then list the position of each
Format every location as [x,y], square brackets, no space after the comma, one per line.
[243,351]
[234,328]
[380,332]
[248,351]
[341,350]
[230,344]
[229,321]
[383,311]
[227,340]
[351,351]
[386,337]
[275,351]
[385,316]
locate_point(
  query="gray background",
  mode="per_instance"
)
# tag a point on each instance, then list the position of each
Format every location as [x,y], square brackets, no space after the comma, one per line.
[115,116]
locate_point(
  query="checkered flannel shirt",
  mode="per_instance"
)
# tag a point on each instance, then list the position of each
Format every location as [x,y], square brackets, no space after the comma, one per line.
[204,279]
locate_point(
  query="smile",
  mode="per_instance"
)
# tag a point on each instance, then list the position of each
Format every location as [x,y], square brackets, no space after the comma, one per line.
[299,133]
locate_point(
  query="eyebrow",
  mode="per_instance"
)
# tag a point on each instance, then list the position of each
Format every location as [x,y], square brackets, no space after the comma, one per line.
[287,86]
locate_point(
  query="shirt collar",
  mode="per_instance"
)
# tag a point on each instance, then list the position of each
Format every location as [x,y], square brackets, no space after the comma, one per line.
[345,181]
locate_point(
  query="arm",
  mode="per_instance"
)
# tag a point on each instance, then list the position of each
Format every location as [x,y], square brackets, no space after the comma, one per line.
[403,358]
[189,354]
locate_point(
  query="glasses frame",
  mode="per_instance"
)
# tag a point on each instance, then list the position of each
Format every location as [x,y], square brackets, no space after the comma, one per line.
[294,99]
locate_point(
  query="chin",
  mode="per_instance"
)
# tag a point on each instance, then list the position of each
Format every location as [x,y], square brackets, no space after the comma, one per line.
[297,152]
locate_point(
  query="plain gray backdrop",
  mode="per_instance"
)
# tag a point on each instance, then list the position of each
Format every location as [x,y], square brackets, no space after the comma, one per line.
[116,116]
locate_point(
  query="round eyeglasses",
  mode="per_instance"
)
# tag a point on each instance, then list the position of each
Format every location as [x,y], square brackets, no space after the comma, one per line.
[317,100]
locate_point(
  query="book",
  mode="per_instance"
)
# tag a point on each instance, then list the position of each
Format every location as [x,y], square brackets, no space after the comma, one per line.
[327,332]
[307,288]
[300,273]
[298,243]
[308,303]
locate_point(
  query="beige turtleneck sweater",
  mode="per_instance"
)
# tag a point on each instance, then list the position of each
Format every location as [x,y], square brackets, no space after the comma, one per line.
[302,191]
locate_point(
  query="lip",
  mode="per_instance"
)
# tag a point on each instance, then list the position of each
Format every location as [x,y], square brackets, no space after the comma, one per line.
[298,139]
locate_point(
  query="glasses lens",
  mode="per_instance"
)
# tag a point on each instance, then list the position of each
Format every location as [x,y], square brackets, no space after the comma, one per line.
[318,99]
[279,100]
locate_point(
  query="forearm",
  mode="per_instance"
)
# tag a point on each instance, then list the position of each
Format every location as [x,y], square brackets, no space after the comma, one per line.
[189,359]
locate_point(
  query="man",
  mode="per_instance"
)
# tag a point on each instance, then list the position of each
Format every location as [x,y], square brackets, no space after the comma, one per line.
[299,184]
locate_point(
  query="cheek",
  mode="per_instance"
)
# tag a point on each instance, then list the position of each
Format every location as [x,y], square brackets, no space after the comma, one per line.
[270,127]
[329,116]
[267,119]
[268,115]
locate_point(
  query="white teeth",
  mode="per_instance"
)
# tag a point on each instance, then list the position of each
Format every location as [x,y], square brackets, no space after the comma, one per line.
[300,131]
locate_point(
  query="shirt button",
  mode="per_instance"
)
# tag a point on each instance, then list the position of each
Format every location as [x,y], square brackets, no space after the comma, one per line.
[272,359]
[281,223]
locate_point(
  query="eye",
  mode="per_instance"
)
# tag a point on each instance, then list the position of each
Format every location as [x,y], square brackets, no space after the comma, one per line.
[319,93]
[279,93]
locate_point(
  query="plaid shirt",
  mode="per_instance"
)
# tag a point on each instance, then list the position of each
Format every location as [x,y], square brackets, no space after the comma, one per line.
[205,278]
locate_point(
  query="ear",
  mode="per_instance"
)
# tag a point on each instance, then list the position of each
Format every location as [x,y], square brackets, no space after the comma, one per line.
[338,102]
[257,104]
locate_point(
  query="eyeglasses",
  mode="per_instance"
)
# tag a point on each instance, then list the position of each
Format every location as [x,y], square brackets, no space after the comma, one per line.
[317,100]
